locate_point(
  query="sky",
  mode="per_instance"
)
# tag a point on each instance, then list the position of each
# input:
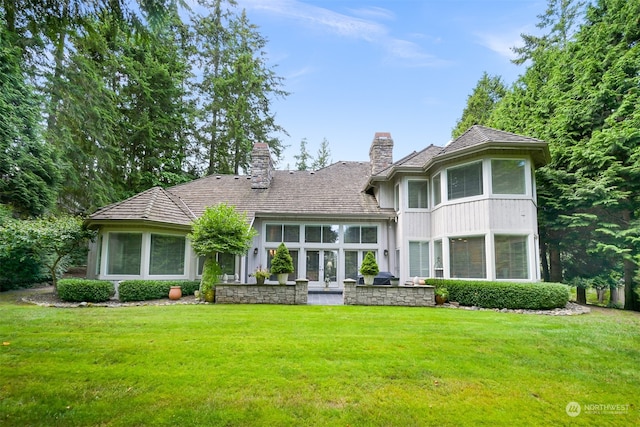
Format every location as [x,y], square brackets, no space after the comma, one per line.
[357,67]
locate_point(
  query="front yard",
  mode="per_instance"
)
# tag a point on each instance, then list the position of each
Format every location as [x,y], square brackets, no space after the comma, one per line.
[315,365]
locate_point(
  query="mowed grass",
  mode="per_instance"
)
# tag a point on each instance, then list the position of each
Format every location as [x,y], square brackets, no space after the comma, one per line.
[313,365]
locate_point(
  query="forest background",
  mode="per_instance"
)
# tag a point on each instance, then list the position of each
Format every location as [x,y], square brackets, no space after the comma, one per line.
[102,100]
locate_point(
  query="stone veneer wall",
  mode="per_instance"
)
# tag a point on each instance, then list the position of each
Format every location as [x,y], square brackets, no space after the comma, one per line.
[262,294]
[412,296]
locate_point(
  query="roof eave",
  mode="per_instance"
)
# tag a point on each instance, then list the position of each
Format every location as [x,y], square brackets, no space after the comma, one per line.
[540,148]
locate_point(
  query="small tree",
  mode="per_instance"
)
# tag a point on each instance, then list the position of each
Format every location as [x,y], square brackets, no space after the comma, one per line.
[369,265]
[282,261]
[50,241]
[220,229]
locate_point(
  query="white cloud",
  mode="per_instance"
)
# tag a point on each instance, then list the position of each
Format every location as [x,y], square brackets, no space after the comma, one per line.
[364,27]
[501,43]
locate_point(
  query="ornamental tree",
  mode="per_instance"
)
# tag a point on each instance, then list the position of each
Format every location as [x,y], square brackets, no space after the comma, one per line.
[369,265]
[221,229]
[282,261]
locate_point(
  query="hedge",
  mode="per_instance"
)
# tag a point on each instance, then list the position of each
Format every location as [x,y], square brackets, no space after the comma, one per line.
[85,290]
[142,290]
[531,296]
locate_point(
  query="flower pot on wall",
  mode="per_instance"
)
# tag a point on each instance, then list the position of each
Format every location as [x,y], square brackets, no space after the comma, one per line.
[260,280]
[175,293]
[282,278]
[368,279]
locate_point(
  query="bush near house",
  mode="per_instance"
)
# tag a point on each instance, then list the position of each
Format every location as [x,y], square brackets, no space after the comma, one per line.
[531,296]
[85,290]
[142,290]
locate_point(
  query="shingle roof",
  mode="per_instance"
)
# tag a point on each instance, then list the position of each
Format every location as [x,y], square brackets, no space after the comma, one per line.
[477,134]
[335,190]
[154,204]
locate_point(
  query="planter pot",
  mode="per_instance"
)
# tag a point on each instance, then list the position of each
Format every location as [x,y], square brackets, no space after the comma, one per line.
[395,282]
[175,293]
[368,279]
[260,280]
[282,278]
[440,300]
[209,295]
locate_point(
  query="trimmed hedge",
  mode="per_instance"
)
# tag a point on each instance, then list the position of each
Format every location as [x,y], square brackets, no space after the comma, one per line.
[531,296]
[142,290]
[85,290]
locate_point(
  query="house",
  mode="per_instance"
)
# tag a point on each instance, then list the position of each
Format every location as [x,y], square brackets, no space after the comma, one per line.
[466,210]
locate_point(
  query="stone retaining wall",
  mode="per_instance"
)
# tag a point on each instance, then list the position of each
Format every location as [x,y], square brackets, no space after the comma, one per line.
[262,294]
[412,296]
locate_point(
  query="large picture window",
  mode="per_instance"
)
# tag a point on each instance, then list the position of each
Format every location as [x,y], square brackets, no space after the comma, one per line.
[508,176]
[467,258]
[321,234]
[419,259]
[418,194]
[464,181]
[124,253]
[511,257]
[167,255]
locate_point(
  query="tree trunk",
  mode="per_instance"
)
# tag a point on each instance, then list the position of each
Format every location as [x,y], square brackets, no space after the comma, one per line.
[555,264]
[613,295]
[581,295]
[544,261]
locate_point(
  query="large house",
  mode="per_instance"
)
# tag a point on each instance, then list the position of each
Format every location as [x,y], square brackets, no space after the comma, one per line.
[466,210]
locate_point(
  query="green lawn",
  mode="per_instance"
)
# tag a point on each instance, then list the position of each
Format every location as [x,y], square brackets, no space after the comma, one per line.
[313,365]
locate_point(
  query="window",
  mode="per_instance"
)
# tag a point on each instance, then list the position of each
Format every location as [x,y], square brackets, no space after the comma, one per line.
[124,253]
[227,263]
[464,181]
[511,257]
[360,234]
[418,194]
[437,192]
[282,233]
[438,266]
[508,176]
[167,255]
[321,234]
[419,259]
[396,197]
[352,262]
[467,257]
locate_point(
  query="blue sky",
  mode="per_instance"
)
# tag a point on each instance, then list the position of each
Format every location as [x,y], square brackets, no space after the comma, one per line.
[405,67]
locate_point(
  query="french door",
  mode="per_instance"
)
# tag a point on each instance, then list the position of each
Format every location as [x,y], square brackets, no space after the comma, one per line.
[322,267]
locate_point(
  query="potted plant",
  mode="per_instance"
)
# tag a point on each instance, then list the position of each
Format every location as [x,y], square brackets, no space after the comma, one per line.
[441,295]
[369,268]
[209,279]
[282,264]
[261,275]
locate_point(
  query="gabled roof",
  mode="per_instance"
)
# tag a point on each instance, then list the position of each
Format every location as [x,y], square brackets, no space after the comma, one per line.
[332,191]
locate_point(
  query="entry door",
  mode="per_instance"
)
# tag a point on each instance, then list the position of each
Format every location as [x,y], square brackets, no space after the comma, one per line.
[322,268]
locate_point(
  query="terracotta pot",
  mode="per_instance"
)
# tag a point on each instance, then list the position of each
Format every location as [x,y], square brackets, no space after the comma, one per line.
[175,293]
[440,300]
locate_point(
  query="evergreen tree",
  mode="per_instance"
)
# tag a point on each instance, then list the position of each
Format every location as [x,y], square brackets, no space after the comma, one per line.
[303,159]
[488,92]
[323,158]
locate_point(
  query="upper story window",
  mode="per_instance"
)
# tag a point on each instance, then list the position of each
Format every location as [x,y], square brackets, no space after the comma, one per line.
[396,197]
[360,234]
[282,233]
[418,194]
[508,176]
[321,233]
[464,181]
[437,191]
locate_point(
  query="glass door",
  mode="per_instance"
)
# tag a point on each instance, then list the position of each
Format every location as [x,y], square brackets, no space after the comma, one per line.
[322,268]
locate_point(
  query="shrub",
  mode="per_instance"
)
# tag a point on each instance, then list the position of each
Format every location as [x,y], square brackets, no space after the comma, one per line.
[282,261]
[531,296]
[142,290]
[84,290]
[369,265]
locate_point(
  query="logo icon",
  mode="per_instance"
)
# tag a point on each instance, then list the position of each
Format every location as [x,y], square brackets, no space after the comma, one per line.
[573,409]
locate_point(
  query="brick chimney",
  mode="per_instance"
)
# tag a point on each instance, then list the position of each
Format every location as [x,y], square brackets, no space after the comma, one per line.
[381,152]
[261,166]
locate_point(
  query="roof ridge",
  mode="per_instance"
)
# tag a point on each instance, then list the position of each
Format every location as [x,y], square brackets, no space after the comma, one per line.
[152,201]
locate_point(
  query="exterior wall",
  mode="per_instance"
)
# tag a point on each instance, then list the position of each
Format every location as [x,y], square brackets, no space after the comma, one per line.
[411,296]
[262,294]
